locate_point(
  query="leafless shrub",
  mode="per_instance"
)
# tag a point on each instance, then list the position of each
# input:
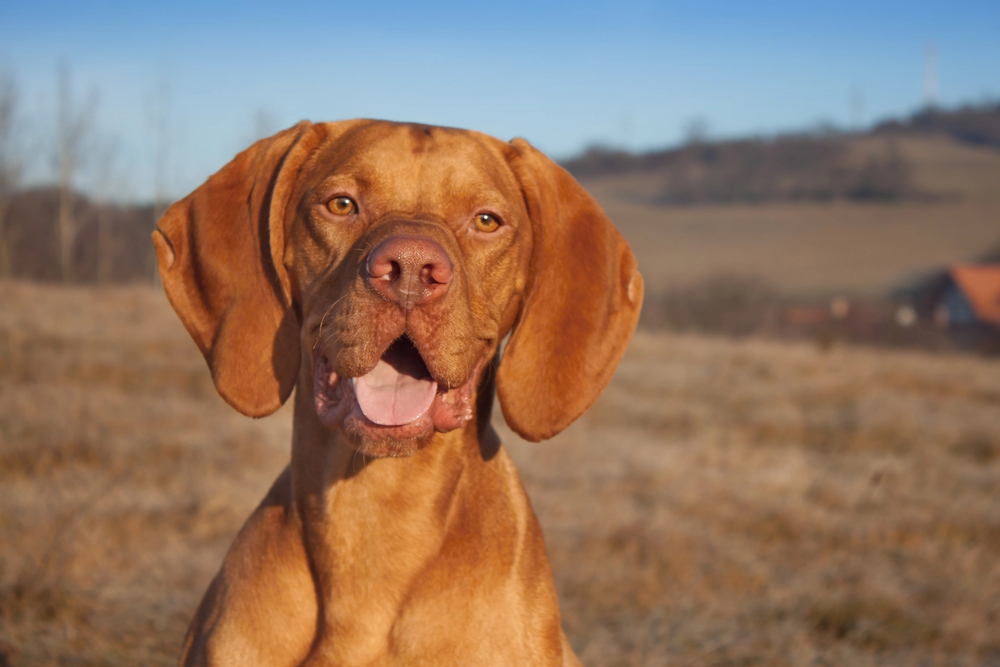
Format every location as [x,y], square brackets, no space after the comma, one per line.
[11,165]
[73,129]
[111,243]
[724,304]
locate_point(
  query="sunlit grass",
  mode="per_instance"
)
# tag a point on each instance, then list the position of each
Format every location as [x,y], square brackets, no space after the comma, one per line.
[724,503]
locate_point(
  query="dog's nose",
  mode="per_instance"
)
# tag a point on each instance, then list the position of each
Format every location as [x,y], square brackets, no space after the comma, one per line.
[410,270]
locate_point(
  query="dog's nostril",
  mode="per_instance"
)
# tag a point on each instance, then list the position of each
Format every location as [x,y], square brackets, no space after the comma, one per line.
[382,268]
[393,273]
[432,274]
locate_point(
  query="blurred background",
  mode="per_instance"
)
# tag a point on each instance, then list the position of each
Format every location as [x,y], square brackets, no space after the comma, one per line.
[798,462]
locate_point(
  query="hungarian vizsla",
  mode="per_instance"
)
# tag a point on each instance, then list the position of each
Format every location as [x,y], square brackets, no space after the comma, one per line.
[375,268]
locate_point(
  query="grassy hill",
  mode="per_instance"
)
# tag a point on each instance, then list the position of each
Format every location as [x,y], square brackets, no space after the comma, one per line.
[804,239]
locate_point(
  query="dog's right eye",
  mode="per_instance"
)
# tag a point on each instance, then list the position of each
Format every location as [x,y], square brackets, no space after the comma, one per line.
[342,206]
[486,222]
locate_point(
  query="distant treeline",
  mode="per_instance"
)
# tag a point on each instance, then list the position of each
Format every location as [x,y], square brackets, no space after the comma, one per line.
[977,125]
[756,170]
[112,243]
[818,166]
[740,306]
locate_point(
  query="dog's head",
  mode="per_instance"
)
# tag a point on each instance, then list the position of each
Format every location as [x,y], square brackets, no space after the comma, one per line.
[380,265]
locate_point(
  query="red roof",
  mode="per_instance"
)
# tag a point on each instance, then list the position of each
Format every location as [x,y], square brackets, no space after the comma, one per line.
[981,286]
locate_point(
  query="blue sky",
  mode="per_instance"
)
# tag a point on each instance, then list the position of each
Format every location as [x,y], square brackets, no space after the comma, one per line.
[563,74]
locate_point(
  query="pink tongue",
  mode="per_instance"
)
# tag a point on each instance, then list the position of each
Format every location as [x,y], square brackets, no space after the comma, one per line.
[390,398]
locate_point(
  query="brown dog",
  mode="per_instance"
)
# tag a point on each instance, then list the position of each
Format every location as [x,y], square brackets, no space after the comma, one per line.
[375,267]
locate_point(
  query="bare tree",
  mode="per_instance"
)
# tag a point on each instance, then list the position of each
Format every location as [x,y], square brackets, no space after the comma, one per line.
[161,123]
[72,128]
[11,167]
[160,120]
[108,183]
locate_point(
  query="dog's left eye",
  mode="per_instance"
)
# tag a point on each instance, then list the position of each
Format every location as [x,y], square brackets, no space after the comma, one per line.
[342,206]
[486,222]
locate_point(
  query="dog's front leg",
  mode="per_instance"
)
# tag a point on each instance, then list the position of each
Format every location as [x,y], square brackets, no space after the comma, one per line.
[261,608]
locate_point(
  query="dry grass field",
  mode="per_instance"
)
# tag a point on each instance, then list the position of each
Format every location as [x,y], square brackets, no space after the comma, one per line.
[816,247]
[724,503]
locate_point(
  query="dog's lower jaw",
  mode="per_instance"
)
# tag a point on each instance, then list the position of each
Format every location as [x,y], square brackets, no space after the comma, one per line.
[338,408]
[372,445]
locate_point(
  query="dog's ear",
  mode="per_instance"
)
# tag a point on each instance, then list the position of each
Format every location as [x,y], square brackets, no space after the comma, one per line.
[581,304]
[220,251]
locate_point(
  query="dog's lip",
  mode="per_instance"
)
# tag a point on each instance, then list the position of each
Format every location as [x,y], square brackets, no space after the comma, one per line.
[336,402]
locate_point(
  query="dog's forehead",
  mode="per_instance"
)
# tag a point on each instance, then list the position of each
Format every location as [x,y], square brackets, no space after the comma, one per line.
[414,162]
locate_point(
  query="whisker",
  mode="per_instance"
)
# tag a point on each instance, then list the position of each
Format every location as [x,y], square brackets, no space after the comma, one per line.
[322,322]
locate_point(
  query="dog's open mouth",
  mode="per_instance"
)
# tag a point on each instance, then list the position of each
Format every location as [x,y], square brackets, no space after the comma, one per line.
[398,398]
[399,389]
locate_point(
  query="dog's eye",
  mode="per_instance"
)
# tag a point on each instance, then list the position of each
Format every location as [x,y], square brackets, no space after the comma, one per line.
[342,206]
[486,222]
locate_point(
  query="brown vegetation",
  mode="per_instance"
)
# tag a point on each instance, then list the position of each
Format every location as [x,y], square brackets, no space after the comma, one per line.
[32,234]
[971,124]
[724,503]
[741,306]
[788,168]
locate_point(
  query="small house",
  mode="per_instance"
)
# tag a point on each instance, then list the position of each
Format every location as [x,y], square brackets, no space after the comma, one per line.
[971,296]
[965,300]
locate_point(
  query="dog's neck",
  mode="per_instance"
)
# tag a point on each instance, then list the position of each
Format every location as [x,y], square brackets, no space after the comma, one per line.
[328,474]
[371,525]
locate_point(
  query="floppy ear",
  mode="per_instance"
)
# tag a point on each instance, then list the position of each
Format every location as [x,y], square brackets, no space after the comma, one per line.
[220,251]
[581,306]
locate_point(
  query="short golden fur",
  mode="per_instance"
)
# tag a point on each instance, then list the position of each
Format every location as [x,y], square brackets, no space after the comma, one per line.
[403,545]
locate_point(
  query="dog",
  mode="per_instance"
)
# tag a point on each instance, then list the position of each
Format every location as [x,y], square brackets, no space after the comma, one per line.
[377,268]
